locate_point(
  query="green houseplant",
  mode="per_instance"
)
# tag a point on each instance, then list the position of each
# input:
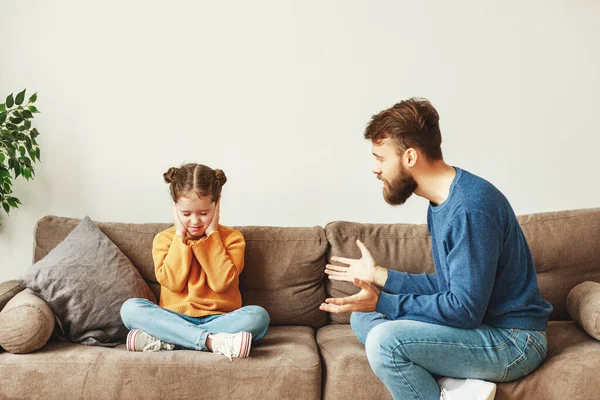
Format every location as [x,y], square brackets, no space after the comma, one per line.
[18,146]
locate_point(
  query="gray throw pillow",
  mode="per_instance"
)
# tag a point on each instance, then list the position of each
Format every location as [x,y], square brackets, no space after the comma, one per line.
[85,280]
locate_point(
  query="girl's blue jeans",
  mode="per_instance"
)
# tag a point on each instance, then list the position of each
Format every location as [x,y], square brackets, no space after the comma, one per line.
[404,354]
[191,332]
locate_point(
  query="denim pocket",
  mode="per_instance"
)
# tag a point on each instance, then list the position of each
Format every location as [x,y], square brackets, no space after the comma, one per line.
[532,356]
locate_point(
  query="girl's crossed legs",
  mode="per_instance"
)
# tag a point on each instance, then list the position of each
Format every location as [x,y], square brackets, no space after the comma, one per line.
[192,332]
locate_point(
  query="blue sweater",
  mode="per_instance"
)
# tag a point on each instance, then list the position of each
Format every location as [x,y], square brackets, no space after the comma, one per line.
[484,269]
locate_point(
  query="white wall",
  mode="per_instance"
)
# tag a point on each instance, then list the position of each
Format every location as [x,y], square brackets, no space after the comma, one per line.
[277,94]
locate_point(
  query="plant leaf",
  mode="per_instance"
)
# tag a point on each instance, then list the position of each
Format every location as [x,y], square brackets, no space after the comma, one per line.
[10,101]
[13,201]
[6,207]
[27,114]
[20,97]
[33,109]
[24,160]
[8,135]
[37,153]
[33,98]
[2,107]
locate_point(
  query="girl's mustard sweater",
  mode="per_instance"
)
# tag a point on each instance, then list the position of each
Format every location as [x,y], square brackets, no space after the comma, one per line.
[199,277]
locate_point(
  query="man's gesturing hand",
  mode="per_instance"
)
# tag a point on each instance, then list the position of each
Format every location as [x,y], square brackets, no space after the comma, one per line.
[363,301]
[364,268]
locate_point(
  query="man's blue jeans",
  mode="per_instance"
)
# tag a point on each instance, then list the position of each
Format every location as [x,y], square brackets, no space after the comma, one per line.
[404,354]
[191,332]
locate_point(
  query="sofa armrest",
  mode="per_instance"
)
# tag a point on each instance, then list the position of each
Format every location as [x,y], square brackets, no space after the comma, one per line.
[583,305]
[8,290]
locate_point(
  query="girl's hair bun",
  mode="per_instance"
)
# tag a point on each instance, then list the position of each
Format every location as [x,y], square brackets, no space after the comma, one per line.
[220,176]
[168,176]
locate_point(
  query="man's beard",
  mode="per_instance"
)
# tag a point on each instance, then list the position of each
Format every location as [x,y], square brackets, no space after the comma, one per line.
[400,189]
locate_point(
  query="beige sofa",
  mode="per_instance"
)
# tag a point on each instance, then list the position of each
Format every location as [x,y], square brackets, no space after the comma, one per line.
[307,354]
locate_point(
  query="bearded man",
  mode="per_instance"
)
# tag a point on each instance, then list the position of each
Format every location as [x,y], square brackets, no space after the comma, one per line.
[480,317]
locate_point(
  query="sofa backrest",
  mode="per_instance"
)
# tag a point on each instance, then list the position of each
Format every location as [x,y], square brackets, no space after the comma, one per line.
[284,266]
[284,270]
[565,246]
[566,251]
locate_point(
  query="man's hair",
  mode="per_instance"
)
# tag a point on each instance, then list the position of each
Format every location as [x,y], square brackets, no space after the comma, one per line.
[410,123]
[195,178]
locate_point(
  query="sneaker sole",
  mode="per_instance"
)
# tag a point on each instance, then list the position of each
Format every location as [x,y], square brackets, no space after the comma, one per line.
[131,337]
[246,345]
[487,390]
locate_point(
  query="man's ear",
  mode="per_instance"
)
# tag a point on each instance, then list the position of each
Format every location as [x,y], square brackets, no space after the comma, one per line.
[410,157]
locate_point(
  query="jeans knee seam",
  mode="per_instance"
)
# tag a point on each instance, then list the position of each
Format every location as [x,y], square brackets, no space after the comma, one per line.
[393,358]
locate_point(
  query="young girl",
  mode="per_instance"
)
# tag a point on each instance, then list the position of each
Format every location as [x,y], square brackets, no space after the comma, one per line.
[197,263]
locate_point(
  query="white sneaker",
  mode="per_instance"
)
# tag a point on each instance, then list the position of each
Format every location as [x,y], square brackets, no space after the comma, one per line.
[232,344]
[139,340]
[466,389]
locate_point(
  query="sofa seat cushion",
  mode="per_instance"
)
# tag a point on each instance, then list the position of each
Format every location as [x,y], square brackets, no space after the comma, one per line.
[285,364]
[346,370]
[569,372]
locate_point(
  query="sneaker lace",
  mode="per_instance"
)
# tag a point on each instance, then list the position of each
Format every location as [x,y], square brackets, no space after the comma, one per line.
[157,345]
[444,394]
[152,346]
[225,346]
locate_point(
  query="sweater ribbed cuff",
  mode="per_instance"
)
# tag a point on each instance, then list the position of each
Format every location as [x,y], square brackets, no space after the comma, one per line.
[387,305]
[394,282]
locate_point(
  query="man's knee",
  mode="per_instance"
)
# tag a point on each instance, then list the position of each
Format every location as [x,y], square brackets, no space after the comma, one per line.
[362,323]
[384,347]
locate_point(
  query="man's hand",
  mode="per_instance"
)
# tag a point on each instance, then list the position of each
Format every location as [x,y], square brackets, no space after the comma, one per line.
[214,223]
[365,268]
[363,301]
